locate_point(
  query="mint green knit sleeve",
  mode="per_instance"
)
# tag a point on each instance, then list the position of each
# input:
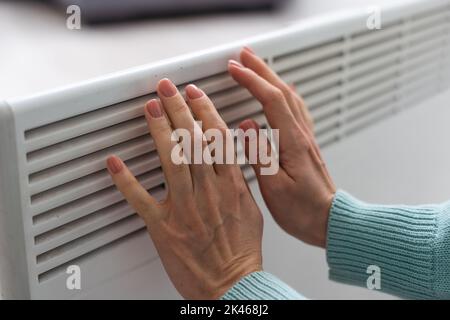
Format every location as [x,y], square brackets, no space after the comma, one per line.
[409,244]
[261,286]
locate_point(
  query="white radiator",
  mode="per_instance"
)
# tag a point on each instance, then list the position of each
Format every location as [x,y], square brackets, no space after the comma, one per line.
[58,206]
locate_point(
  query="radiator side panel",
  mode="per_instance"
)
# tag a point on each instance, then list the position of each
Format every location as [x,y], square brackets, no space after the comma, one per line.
[13,264]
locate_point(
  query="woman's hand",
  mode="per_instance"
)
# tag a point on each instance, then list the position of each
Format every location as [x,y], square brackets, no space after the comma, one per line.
[208,230]
[299,196]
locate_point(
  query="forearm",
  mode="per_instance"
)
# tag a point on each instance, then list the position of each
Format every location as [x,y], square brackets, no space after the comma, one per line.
[409,244]
[261,286]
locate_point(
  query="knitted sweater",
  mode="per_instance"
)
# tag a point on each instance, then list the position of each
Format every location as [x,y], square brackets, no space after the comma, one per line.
[401,250]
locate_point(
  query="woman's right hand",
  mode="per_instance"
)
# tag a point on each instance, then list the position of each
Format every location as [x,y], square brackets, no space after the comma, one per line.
[300,194]
[208,231]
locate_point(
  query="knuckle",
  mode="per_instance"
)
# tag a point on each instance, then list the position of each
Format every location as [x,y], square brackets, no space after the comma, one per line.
[237,182]
[160,129]
[287,92]
[142,206]
[177,169]
[210,189]
[303,145]
[201,104]
[201,177]
[177,105]
[275,96]
[128,184]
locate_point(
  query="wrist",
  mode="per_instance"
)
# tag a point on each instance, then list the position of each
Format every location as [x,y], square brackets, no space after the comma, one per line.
[231,278]
[314,230]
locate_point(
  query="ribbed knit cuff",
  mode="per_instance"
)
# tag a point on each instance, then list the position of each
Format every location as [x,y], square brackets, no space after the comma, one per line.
[399,240]
[261,286]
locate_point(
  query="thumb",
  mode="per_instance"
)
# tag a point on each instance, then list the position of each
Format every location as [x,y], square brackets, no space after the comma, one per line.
[259,152]
[145,205]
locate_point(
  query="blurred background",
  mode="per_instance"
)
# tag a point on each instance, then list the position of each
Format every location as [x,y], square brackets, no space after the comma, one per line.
[39,52]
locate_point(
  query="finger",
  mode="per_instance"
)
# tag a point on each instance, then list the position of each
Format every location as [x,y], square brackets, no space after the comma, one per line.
[181,118]
[303,109]
[309,120]
[145,205]
[274,103]
[259,152]
[260,67]
[204,110]
[177,173]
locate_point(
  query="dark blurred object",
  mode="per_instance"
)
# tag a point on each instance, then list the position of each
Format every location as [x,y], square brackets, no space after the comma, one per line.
[97,11]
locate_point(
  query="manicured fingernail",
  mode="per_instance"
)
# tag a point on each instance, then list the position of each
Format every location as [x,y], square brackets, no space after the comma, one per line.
[248,49]
[235,63]
[193,92]
[114,164]
[248,124]
[167,88]
[154,108]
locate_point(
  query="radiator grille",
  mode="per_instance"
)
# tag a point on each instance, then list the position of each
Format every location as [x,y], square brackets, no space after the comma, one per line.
[348,82]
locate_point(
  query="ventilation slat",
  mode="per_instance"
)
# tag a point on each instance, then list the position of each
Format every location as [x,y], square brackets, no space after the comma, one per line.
[85,123]
[369,37]
[326,124]
[214,83]
[424,48]
[89,143]
[248,172]
[67,233]
[376,88]
[308,56]
[83,166]
[375,50]
[229,97]
[235,113]
[422,21]
[72,250]
[429,76]
[426,34]
[88,204]
[79,188]
[328,137]
[375,63]
[316,100]
[363,109]
[317,84]
[259,117]
[416,93]
[302,74]
[327,110]
[377,113]
[79,228]
[355,85]
[432,68]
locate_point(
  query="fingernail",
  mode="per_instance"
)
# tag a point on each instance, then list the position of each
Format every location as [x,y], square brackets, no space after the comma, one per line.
[248,124]
[235,63]
[114,164]
[248,49]
[193,92]
[154,108]
[167,88]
